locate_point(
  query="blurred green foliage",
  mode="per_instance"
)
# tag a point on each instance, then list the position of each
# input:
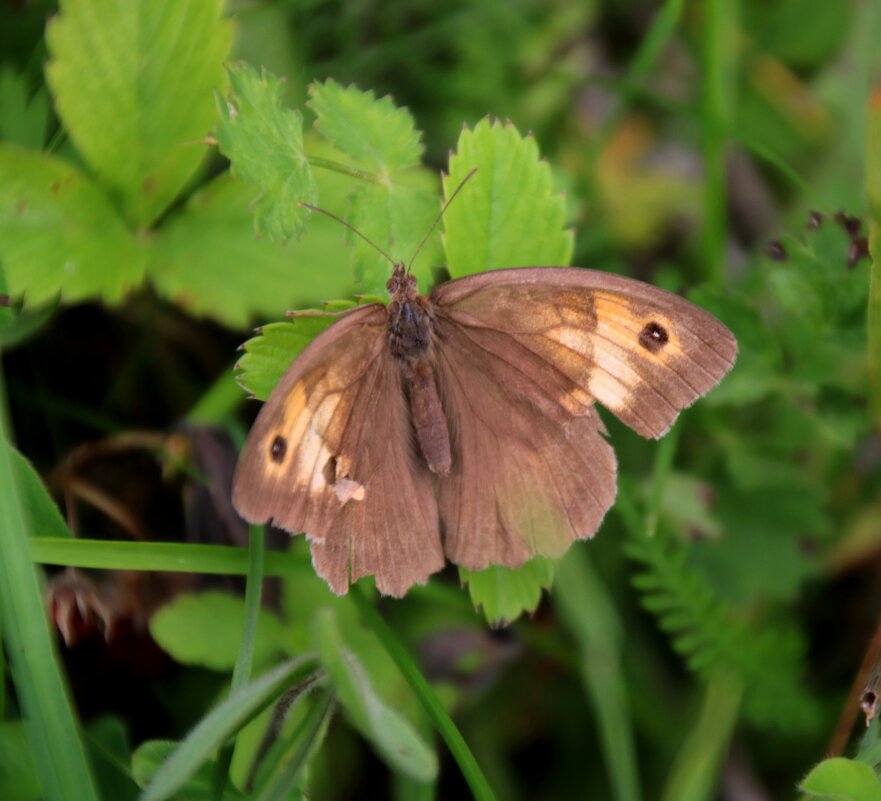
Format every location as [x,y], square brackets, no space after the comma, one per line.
[712,632]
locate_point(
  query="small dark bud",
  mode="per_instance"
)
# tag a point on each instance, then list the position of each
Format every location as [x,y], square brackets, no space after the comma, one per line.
[815,220]
[777,251]
[849,223]
[859,250]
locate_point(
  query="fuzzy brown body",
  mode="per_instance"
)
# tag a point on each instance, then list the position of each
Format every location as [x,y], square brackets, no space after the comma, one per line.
[410,336]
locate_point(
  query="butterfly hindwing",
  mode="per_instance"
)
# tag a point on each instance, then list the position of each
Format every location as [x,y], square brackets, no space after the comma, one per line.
[526,480]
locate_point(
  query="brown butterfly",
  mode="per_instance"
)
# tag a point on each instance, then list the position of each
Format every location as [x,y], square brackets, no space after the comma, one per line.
[462,424]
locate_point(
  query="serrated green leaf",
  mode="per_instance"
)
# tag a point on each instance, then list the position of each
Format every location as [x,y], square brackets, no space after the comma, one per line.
[368,130]
[271,352]
[397,218]
[842,780]
[60,235]
[209,261]
[264,143]
[392,736]
[133,85]
[505,593]
[507,215]
[206,630]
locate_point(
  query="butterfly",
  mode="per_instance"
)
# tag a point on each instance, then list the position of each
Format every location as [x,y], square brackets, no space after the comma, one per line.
[462,424]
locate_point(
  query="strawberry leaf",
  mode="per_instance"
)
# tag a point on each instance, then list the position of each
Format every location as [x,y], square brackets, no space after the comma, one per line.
[59,235]
[133,85]
[372,131]
[508,214]
[264,143]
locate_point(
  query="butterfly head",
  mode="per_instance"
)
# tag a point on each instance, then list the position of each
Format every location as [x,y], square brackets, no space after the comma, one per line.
[402,286]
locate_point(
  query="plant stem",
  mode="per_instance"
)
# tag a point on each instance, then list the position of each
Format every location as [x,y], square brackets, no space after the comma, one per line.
[477,782]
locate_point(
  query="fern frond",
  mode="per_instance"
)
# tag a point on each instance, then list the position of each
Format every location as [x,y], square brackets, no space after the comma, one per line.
[708,635]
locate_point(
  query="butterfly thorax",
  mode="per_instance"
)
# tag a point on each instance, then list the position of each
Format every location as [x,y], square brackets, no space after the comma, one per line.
[410,340]
[409,318]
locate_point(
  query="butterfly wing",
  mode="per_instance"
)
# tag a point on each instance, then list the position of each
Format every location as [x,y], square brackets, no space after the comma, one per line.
[329,454]
[523,356]
[584,335]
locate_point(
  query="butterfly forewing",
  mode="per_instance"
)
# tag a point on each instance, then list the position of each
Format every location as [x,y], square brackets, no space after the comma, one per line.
[643,353]
[329,455]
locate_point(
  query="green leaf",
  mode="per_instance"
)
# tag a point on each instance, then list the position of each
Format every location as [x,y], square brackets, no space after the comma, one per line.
[209,261]
[149,758]
[206,630]
[368,130]
[18,773]
[264,143]
[23,118]
[507,215]
[59,234]
[588,611]
[111,759]
[41,513]
[269,354]
[282,784]
[394,739]
[133,85]
[221,723]
[52,730]
[396,217]
[843,780]
[505,593]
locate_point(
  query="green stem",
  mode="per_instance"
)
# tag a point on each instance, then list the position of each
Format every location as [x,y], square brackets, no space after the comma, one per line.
[451,735]
[345,169]
[245,659]
[173,557]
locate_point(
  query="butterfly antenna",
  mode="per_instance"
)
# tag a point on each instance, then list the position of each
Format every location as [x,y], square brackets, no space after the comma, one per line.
[438,219]
[351,227]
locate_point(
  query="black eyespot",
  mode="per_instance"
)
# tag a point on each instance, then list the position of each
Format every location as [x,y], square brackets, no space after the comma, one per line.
[653,337]
[278,449]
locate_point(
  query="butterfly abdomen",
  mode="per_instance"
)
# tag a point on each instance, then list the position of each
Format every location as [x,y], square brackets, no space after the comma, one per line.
[410,335]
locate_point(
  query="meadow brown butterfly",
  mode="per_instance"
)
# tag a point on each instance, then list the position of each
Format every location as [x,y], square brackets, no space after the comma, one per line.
[462,424]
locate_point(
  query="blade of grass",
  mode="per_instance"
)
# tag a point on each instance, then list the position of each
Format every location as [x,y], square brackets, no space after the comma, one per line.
[221,723]
[304,742]
[477,782]
[173,557]
[693,776]
[873,190]
[720,27]
[588,612]
[245,659]
[50,724]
